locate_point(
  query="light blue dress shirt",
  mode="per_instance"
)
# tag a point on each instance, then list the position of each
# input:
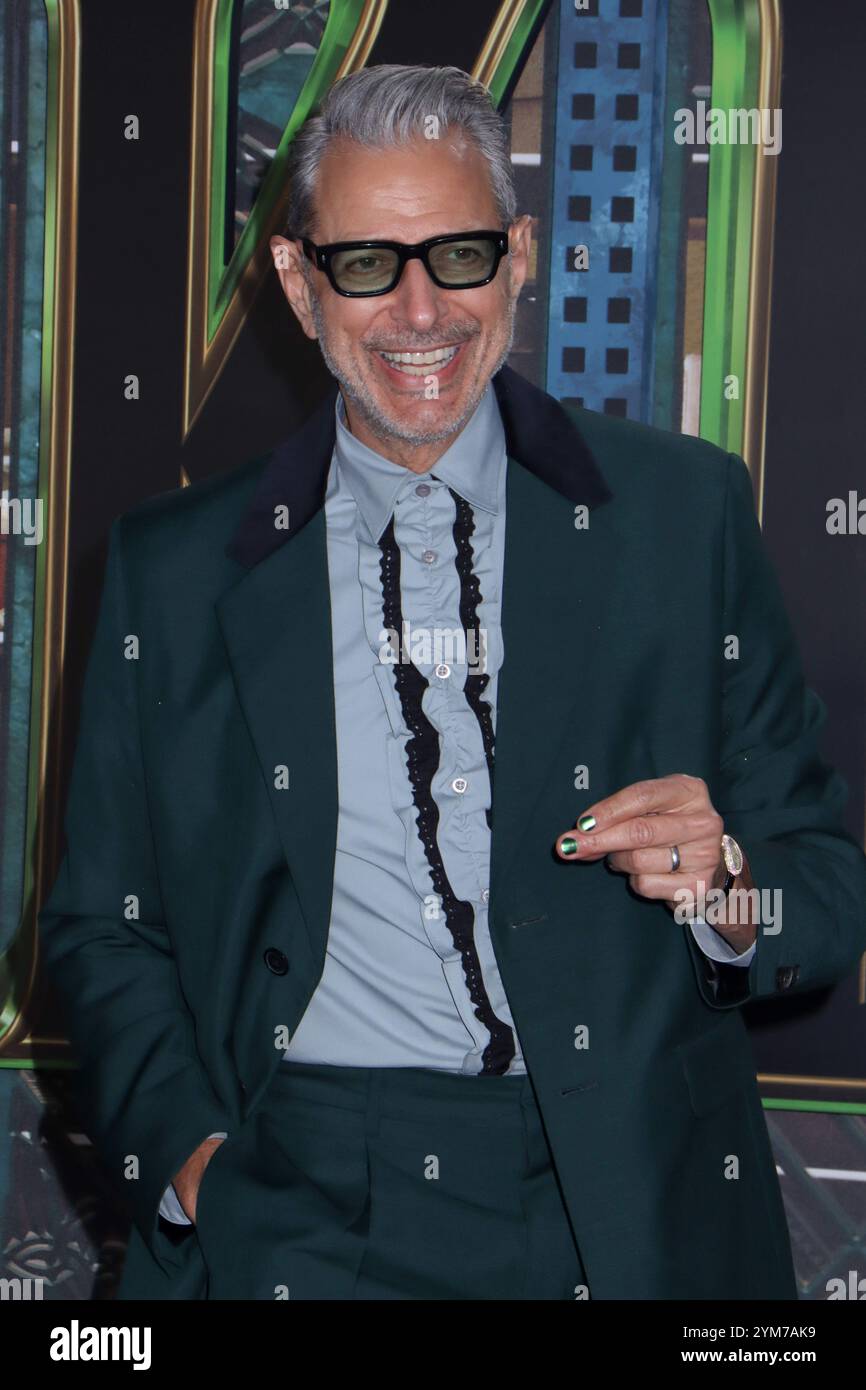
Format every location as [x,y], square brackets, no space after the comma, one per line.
[410,977]
[394,989]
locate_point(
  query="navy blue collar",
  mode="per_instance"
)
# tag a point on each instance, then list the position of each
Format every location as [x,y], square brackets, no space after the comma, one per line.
[539,434]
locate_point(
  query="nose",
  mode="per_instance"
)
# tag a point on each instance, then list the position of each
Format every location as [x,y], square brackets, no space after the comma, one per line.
[416,300]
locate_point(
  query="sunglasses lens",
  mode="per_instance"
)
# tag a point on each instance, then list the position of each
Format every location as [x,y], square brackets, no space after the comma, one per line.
[369,269]
[463,262]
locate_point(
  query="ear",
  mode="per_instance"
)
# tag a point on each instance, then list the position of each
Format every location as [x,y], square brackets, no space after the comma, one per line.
[288,265]
[519,245]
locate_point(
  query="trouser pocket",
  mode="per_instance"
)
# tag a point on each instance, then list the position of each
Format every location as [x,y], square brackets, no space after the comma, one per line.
[213,1207]
[282,1211]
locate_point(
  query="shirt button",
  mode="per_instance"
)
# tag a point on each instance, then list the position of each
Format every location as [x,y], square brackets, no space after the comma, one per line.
[485,895]
[428,557]
[423,490]
[443,671]
[459,785]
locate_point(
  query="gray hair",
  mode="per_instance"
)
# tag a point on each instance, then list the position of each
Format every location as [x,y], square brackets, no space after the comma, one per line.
[388,105]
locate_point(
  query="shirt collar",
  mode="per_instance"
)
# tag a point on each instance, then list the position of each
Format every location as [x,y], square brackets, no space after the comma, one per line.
[471,465]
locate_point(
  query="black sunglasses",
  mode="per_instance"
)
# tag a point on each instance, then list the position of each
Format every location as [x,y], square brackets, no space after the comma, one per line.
[459,261]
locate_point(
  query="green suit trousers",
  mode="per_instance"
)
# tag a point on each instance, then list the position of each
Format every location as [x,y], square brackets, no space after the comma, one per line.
[387,1183]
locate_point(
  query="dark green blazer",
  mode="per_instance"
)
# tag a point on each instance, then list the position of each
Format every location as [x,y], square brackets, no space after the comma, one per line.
[211,667]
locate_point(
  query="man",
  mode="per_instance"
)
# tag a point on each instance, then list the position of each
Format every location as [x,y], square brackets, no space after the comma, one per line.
[395,838]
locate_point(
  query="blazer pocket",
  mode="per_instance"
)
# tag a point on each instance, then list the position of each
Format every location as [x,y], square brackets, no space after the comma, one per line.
[717,1064]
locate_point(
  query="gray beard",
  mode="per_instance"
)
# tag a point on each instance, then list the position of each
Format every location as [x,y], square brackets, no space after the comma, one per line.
[380,424]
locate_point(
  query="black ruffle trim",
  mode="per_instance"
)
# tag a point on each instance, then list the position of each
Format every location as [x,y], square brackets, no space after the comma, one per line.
[422,758]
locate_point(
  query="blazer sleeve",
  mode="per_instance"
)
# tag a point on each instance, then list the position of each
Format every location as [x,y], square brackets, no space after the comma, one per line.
[145,1098]
[778,797]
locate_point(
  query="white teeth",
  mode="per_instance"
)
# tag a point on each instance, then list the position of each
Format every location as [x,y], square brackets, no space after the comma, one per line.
[419,363]
[434,355]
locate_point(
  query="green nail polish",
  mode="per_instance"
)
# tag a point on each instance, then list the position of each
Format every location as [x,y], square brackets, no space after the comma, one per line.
[568,846]
[586,823]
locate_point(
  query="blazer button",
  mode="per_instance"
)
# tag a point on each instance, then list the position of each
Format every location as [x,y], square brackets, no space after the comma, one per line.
[786,976]
[276,961]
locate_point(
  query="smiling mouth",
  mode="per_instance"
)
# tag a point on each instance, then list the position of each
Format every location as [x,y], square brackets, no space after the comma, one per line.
[421,363]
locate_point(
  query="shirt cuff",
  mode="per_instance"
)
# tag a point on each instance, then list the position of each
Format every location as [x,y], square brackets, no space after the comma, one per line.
[715,946]
[170,1206]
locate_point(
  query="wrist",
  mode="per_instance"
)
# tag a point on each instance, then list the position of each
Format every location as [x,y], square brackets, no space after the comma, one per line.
[742,930]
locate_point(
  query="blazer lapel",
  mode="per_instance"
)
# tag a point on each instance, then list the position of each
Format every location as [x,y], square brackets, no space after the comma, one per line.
[555,580]
[276,624]
[558,584]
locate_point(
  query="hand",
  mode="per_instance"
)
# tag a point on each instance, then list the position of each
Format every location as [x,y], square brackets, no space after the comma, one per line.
[186,1182]
[636,827]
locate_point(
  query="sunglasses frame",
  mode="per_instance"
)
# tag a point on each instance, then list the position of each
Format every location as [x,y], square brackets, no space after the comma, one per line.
[321,258]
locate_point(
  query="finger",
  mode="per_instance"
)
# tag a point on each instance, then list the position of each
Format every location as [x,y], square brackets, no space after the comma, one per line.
[694,858]
[570,845]
[644,832]
[652,796]
[663,887]
[639,798]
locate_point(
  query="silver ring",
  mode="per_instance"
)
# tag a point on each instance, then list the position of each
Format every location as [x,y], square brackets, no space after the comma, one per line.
[675,859]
